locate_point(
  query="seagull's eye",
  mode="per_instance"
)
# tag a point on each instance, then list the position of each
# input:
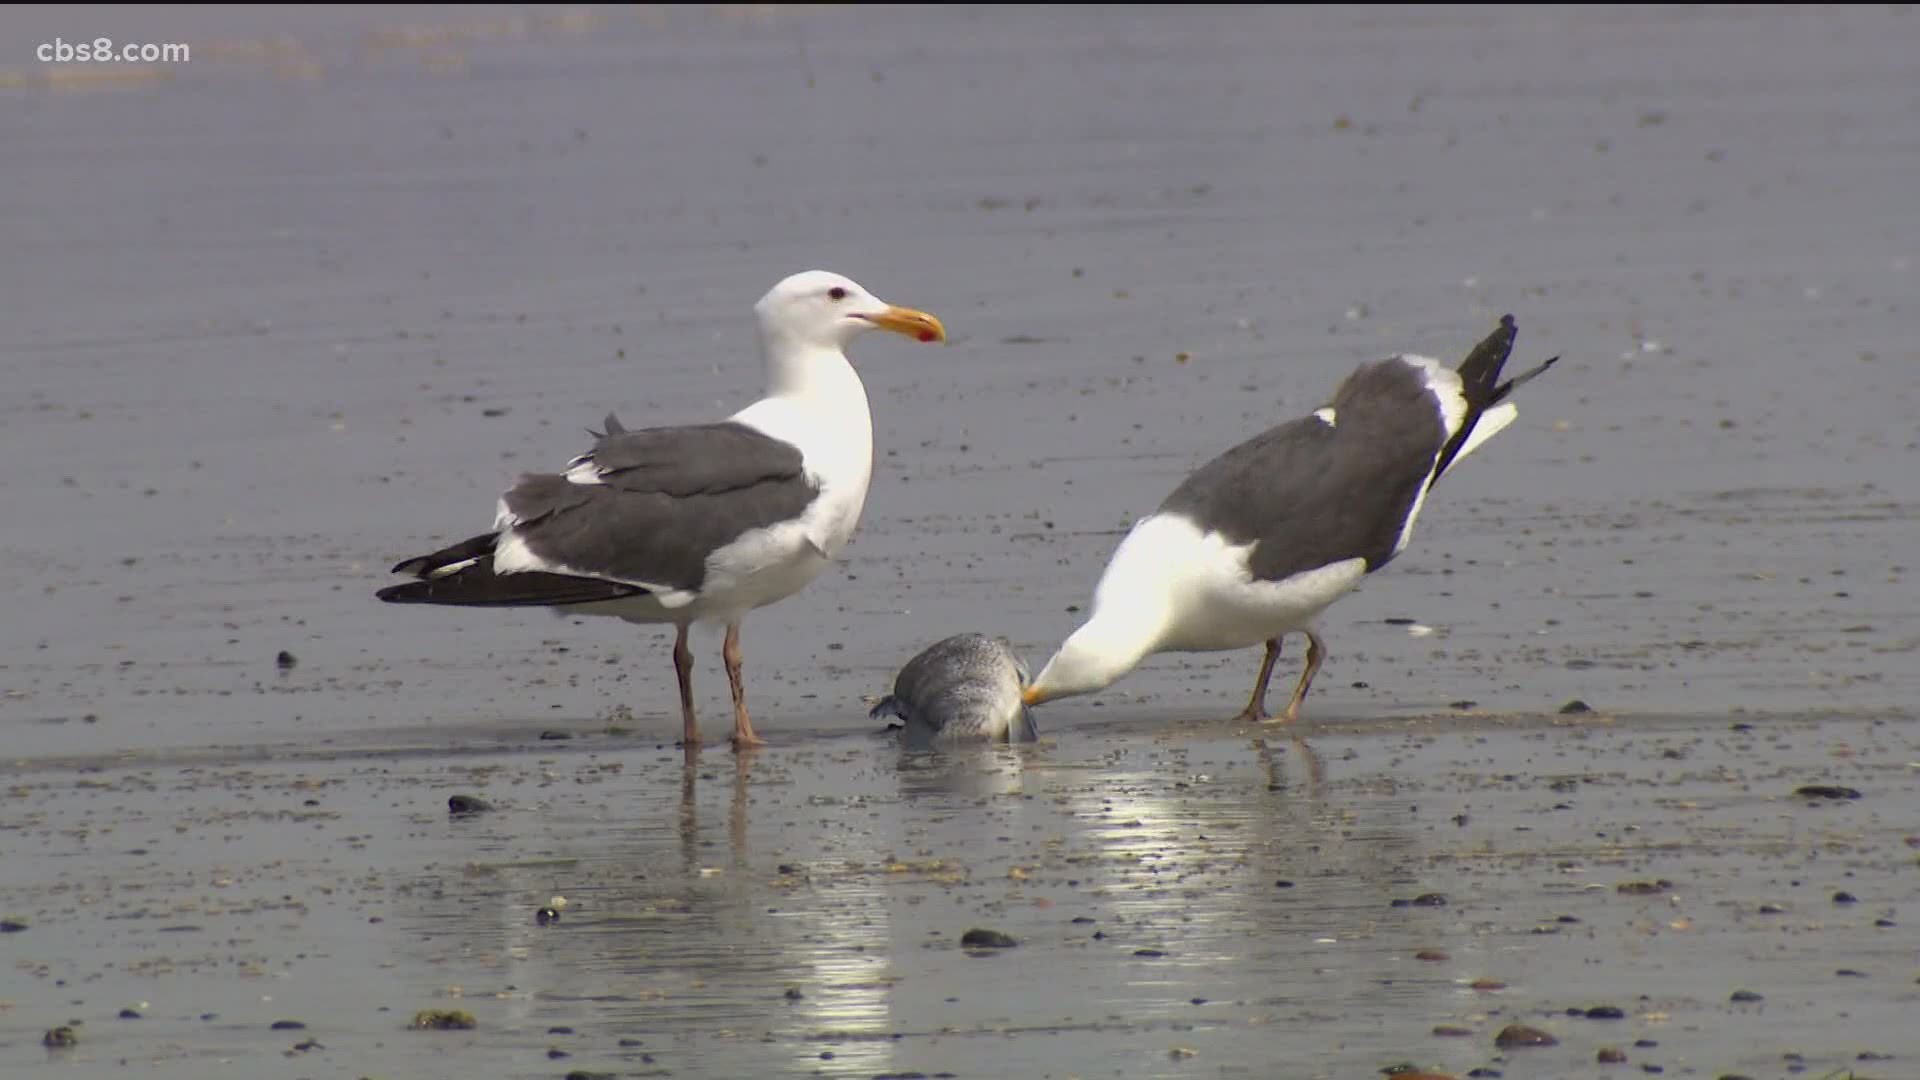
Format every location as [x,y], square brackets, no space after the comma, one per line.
[836,293]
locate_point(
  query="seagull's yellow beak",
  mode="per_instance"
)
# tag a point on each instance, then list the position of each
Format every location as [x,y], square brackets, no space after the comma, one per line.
[914,324]
[1032,696]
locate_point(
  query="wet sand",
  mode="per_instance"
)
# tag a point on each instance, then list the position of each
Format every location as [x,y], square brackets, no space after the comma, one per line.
[287,313]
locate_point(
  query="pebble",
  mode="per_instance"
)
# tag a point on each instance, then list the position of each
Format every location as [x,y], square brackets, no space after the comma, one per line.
[1521,1035]
[1643,888]
[443,1020]
[462,805]
[8,926]
[1746,996]
[1432,899]
[1575,707]
[285,661]
[59,1038]
[287,1025]
[1826,791]
[1606,1012]
[1844,898]
[1432,955]
[986,939]
[1611,1055]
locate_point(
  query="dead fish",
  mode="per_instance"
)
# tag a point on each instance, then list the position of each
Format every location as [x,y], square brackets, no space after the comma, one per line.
[964,688]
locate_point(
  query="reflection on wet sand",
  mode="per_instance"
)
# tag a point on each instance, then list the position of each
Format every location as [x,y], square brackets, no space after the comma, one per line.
[813,903]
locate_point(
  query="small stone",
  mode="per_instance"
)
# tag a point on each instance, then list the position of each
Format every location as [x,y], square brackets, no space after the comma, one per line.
[129,1014]
[285,661]
[60,1038]
[559,1031]
[1461,706]
[1521,1035]
[1432,955]
[1432,899]
[1575,707]
[462,805]
[1150,954]
[1844,897]
[8,926]
[1452,1031]
[1746,996]
[1606,1012]
[986,939]
[306,1045]
[1851,973]
[1611,1055]
[1487,986]
[1772,909]
[1643,888]
[554,1053]
[1826,791]
[1283,883]
[793,993]
[287,1025]
[443,1020]
[555,736]
[546,916]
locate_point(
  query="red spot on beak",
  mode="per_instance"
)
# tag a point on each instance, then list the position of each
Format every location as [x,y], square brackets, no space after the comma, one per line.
[927,335]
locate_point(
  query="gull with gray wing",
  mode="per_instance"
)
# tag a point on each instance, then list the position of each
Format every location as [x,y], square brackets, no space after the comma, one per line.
[697,523]
[1261,540]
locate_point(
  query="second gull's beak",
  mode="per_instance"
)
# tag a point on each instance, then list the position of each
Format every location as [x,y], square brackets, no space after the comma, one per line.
[914,324]
[1032,696]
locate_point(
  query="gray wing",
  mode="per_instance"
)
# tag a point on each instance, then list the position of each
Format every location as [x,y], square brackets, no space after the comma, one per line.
[648,507]
[1309,493]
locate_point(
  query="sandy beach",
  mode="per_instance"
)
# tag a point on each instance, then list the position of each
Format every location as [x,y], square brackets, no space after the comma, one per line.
[285,313]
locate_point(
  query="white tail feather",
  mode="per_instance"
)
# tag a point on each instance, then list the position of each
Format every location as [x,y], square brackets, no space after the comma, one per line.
[1491,423]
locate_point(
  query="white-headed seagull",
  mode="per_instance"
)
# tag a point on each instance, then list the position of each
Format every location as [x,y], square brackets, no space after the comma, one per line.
[1261,540]
[701,523]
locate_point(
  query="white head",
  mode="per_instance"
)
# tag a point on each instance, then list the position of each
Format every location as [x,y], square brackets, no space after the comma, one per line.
[818,310]
[1092,659]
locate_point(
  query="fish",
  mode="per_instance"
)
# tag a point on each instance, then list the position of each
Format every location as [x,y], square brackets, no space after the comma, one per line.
[965,688]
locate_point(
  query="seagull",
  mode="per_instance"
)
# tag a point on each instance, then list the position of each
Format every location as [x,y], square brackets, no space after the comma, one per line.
[698,523]
[1261,540]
